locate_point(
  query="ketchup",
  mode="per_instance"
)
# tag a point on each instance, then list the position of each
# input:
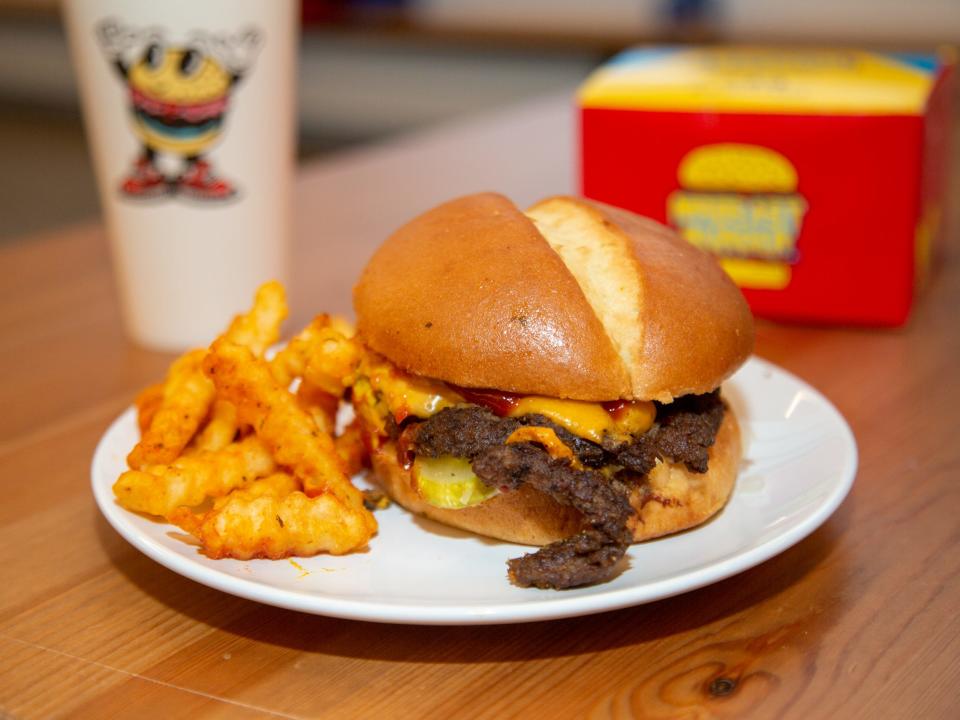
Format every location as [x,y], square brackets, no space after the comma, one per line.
[501,402]
[496,401]
[405,452]
[615,408]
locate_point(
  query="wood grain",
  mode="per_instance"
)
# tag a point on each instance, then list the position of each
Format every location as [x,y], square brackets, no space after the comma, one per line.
[859,620]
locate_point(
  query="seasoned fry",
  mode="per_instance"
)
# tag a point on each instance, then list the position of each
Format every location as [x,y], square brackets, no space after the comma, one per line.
[259,328]
[319,404]
[160,489]
[321,354]
[220,430]
[351,449]
[224,419]
[187,395]
[147,403]
[343,326]
[289,433]
[270,518]
[333,364]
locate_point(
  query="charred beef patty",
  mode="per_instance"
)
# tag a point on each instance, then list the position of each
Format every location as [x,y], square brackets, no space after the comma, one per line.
[468,431]
[683,432]
[588,556]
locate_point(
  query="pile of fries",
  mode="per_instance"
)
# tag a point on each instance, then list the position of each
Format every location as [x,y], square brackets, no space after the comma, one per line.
[232,455]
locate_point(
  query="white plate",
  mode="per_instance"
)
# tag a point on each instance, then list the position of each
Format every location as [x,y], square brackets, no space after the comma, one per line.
[800,460]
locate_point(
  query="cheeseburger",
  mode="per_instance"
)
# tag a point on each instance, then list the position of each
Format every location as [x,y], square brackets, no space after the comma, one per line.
[550,378]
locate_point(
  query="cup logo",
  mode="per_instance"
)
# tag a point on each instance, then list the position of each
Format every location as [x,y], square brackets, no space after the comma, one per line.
[740,203]
[179,94]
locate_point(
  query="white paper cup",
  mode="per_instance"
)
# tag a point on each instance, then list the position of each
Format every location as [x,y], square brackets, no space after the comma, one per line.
[189,111]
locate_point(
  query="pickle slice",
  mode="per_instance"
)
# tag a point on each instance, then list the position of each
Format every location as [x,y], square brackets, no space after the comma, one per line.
[449,482]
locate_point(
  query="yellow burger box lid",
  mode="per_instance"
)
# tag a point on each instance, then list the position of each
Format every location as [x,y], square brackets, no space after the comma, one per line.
[766,80]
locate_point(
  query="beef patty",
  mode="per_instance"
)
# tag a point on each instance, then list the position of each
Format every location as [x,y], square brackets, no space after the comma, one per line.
[683,432]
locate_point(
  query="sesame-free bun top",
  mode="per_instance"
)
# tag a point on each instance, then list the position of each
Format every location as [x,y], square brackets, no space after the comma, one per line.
[572,299]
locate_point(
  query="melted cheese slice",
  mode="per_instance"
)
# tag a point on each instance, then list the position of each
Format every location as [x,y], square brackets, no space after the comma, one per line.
[588,420]
[404,395]
[548,438]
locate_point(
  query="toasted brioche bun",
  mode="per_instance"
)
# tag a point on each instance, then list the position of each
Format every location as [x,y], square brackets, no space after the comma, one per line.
[676,499]
[574,299]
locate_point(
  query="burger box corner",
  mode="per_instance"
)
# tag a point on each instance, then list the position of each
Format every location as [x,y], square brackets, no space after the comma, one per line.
[818,177]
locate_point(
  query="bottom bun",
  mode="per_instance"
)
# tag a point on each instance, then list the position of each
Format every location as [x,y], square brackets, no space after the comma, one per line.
[673,499]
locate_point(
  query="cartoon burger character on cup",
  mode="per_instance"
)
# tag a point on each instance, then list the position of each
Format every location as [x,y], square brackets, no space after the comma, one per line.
[179,95]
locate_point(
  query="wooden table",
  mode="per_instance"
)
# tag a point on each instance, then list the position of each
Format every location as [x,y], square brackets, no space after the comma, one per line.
[859,620]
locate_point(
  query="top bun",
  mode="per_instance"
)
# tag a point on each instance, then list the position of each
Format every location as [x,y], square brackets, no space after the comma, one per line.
[574,299]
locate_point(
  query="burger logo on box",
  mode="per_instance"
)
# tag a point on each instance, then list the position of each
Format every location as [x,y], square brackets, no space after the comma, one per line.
[740,202]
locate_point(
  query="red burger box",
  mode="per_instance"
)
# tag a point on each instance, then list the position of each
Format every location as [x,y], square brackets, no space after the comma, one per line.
[818,177]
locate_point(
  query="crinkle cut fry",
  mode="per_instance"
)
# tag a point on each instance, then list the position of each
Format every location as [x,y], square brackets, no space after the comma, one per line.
[350,447]
[291,360]
[147,403]
[220,430]
[187,395]
[271,518]
[277,484]
[319,405]
[322,407]
[322,354]
[160,489]
[259,328]
[284,427]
